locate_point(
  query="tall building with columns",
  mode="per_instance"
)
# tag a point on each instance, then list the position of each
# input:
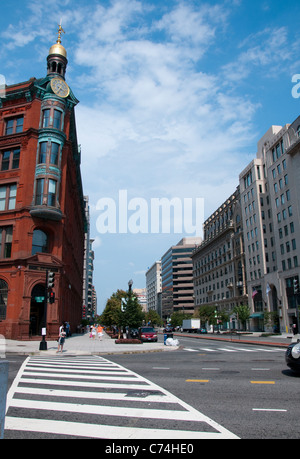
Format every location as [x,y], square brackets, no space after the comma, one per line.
[42,219]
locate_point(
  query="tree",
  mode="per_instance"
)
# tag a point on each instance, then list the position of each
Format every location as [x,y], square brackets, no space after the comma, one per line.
[207,314]
[133,312]
[112,314]
[242,313]
[153,317]
[178,317]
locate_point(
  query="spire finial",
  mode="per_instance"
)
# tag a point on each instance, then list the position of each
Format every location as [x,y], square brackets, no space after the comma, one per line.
[60,31]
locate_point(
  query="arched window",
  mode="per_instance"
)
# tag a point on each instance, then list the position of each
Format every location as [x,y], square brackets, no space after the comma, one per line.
[39,242]
[3,299]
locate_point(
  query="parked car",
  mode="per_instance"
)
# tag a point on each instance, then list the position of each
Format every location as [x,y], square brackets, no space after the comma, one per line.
[147,334]
[201,330]
[292,357]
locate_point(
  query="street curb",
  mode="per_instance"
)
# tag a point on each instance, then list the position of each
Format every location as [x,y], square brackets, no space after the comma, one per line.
[232,340]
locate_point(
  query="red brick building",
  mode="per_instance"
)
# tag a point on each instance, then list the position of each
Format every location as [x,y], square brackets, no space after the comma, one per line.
[42,220]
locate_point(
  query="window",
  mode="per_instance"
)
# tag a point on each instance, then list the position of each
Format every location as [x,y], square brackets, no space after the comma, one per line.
[8,195]
[42,192]
[46,118]
[44,149]
[51,118]
[10,159]
[54,153]
[39,242]
[43,152]
[39,192]
[14,125]
[3,299]
[52,193]
[57,119]
[5,241]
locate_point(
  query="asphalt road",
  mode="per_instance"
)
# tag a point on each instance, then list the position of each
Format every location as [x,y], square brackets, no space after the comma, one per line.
[247,389]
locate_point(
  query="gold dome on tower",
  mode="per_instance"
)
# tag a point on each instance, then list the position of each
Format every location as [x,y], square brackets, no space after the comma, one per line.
[58,48]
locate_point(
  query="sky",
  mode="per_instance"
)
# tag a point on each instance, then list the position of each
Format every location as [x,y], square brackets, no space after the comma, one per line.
[174,96]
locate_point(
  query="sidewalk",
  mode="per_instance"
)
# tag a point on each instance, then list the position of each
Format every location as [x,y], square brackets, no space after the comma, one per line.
[81,345]
[262,339]
[84,345]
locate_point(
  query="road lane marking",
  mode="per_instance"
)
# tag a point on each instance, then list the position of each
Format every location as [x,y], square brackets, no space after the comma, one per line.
[268,409]
[262,382]
[197,380]
[260,369]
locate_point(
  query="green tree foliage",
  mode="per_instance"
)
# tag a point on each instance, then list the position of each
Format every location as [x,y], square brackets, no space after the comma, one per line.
[133,313]
[178,317]
[242,314]
[153,317]
[112,314]
[207,314]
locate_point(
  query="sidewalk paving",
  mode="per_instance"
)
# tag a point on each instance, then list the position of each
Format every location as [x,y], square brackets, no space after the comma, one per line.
[84,345]
[262,339]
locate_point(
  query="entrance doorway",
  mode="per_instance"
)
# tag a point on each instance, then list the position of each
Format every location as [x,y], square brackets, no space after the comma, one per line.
[37,309]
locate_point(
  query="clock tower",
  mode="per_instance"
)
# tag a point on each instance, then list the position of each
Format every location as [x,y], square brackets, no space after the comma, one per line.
[57,104]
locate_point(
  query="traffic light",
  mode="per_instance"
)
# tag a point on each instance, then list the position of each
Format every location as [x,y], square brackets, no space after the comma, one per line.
[51,276]
[296,285]
[51,297]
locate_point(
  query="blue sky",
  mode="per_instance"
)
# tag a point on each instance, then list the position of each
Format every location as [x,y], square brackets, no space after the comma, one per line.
[174,96]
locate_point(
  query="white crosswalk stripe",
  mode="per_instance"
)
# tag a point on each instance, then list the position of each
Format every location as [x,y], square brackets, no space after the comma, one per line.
[234,349]
[91,397]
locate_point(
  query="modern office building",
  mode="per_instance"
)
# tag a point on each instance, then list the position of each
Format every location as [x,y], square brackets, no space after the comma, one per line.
[218,262]
[153,287]
[177,278]
[141,294]
[42,218]
[270,193]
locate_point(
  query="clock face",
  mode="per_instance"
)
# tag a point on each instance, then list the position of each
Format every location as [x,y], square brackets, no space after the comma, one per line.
[60,87]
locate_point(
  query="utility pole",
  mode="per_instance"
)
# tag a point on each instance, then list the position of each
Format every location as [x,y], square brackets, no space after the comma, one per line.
[43,343]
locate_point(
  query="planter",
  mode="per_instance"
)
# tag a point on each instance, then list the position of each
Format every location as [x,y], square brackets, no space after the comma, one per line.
[128,341]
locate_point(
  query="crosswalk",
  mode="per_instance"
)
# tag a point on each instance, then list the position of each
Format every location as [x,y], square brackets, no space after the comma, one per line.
[234,349]
[92,397]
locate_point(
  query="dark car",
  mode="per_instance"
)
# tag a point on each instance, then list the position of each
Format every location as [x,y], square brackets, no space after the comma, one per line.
[201,330]
[134,333]
[292,357]
[147,334]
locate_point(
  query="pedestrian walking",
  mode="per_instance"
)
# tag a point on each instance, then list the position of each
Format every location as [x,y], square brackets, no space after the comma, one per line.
[100,332]
[94,331]
[61,339]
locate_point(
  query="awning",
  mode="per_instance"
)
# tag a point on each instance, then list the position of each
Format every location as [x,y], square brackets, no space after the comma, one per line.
[257,315]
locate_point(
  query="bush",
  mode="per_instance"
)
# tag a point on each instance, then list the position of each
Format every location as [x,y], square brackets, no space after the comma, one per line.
[128,341]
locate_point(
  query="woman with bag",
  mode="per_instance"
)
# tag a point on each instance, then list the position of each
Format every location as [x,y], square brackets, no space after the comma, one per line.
[61,339]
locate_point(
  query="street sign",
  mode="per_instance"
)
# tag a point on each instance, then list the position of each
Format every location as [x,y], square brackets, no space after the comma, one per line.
[39,299]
